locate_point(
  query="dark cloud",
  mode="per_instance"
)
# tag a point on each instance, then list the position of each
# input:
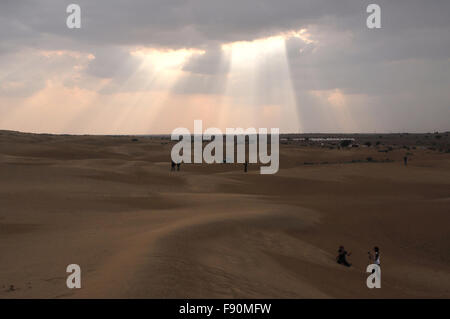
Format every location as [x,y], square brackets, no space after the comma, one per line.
[111,62]
[181,23]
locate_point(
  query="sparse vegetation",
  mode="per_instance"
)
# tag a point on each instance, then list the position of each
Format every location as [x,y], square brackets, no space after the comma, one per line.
[345,143]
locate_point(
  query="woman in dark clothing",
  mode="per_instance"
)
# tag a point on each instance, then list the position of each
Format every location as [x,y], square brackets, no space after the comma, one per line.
[341,258]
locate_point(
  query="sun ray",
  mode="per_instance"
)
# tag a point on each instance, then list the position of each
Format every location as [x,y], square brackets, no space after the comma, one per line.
[259,84]
[158,71]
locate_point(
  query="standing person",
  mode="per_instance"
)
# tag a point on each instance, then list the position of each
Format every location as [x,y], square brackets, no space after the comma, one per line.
[375,258]
[178,166]
[342,257]
[405,160]
[173,166]
[246,166]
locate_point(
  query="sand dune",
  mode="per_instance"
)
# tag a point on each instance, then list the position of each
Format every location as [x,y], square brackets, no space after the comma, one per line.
[139,230]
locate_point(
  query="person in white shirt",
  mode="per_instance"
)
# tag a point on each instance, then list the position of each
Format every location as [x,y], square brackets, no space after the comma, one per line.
[375,258]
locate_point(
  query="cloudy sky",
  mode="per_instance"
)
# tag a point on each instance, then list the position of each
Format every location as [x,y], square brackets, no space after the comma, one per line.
[149,66]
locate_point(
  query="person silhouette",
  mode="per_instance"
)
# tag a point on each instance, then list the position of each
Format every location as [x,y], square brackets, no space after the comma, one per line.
[246,166]
[173,166]
[405,160]
[342,257]
[178,166]
[375,258]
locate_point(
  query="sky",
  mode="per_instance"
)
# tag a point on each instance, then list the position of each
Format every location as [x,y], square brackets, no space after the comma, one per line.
[150,66]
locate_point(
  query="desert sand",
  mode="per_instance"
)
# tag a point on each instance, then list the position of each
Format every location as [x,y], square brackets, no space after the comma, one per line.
[138,230]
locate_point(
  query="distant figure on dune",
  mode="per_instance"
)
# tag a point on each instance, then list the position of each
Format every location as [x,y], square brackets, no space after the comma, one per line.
[405,160]
[375,258]
[342,257]
[246,166]
[173,166]
[178,166]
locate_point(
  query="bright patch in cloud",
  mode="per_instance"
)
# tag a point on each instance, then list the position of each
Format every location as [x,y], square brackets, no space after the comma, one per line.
[165,60]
